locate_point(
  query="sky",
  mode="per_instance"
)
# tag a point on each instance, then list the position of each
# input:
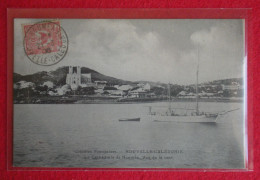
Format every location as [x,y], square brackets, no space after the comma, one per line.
[165,50]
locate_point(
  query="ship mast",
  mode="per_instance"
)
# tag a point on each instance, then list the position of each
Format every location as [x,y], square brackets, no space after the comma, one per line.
[197,82]
[169,97]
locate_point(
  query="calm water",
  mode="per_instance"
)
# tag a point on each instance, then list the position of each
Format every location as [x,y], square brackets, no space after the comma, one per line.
[70,135]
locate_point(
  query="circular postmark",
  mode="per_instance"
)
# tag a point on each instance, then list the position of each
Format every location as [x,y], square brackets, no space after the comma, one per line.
[45,43]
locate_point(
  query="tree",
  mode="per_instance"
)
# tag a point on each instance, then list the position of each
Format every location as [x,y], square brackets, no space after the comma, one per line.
[27,92]
[175,90]
[105,93]
[158,91]
[41,88]
[86,90]
[226,93]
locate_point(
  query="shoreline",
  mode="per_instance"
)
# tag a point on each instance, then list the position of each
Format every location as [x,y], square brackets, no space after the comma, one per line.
[113,100]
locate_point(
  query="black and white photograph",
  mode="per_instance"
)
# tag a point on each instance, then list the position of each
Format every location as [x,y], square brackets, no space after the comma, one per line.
[129,93]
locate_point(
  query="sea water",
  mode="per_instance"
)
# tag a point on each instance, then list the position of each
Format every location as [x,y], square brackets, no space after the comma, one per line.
[90,135]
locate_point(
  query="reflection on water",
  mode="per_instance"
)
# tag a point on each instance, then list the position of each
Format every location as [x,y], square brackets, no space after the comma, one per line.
[90,135]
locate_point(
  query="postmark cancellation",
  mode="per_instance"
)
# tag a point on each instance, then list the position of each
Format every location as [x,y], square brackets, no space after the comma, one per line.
[45,43]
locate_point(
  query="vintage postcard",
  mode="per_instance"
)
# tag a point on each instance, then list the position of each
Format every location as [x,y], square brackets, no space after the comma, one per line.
[129,93]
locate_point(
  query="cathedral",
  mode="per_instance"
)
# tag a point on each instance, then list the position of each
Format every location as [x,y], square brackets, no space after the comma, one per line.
[75,78]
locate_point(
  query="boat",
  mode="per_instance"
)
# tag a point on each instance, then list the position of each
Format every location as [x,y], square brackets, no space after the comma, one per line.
[130,119]
[189,115]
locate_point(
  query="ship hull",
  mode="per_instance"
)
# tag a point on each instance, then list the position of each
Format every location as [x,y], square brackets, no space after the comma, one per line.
[130,119]
[184,119]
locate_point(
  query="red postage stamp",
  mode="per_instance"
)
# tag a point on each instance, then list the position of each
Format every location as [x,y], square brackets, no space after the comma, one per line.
[45,43]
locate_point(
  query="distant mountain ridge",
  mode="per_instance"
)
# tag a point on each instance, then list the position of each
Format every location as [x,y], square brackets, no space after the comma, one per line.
[227,81]
[58,77]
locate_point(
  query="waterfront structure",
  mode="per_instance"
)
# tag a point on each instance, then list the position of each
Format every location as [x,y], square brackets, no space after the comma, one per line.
[113,91]
[137,93]
[75,78]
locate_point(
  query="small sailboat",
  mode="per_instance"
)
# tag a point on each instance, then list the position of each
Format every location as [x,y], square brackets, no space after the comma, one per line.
[189,115]
[129,119]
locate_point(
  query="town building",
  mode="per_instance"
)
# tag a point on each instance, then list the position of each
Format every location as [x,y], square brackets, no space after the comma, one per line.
[63,90]
[137,93]
[233,87]
[113,91]
[230,87]
[125,87]
[23,84]
[75,78]
[146,87]
[100,84]
[49,84]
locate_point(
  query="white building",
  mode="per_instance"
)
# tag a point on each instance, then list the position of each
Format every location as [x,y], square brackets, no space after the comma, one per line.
[182,93]
[100,84]
[62,90]
[49,84]
[233,87]
[146,87]
[125,87]
[137,93]
[99,91]
[24,84]
[115,92]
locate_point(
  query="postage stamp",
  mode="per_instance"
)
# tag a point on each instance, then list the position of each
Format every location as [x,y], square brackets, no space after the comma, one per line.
[45,43]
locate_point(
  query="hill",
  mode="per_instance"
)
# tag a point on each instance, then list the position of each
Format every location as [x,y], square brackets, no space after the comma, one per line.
[227,81]
[58,77]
